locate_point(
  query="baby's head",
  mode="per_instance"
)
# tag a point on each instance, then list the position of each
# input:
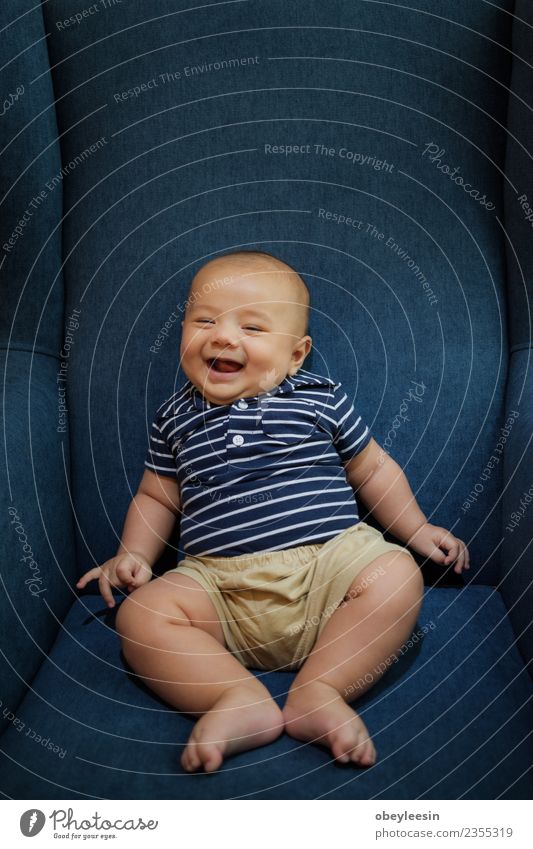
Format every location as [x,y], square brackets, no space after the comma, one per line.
[245,326]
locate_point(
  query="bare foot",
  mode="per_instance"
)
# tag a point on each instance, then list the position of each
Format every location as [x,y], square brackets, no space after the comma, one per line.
[241,719]
[317,713]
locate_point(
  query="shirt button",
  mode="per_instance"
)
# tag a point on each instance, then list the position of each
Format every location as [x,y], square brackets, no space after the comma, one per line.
[242,405]
[238,439]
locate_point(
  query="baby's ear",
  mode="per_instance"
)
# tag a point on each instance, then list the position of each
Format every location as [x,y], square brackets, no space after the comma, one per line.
[300,352]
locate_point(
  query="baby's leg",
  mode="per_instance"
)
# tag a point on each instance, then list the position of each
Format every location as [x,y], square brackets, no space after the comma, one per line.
[356,646]
[172,638]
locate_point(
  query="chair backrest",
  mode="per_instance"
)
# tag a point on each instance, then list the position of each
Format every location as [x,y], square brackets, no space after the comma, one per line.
[516,585]
[364,143]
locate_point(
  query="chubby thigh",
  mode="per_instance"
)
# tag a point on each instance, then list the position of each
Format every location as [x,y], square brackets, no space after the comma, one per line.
[173,597]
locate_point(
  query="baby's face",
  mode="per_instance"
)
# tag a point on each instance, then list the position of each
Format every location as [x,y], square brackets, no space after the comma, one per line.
[241,333]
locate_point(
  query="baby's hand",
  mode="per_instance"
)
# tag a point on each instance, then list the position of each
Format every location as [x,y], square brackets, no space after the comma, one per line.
[432,541]
[131,570]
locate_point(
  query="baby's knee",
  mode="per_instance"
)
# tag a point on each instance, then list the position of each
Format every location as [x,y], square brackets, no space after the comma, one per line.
[405,590]
[148,611]
[126,617]
[134,611]
[408,572]
[137,627]
[393,578]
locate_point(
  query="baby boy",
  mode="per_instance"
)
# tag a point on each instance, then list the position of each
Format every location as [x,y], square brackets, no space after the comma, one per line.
[261,460]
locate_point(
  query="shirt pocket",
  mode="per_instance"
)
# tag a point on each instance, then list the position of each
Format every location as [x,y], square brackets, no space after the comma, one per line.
[197,467]
[289,427]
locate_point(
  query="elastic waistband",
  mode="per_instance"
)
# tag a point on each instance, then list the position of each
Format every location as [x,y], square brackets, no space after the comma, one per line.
[283,556]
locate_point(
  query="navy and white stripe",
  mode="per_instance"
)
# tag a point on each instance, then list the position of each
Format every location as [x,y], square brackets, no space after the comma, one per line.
[263,473]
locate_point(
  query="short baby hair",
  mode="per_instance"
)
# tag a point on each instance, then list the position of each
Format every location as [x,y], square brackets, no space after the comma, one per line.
[300,290]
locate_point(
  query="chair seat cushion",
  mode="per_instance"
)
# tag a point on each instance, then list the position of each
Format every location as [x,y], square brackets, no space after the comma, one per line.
[451,719]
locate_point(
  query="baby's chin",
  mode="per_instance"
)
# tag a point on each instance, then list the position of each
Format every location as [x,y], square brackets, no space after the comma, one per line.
[227,387]
[227,392]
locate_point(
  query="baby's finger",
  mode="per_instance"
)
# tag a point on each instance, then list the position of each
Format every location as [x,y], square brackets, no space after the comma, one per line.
[438,555]
[453,551]
[466,557]
[137,570]
[125,573]
[91,575]
[462,560]
[105,590]
[136,581]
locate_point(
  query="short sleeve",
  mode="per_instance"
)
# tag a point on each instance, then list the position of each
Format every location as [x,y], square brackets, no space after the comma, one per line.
[351,434]
[159,457]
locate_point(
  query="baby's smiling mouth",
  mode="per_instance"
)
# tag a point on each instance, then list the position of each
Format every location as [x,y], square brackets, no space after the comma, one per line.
[223,364]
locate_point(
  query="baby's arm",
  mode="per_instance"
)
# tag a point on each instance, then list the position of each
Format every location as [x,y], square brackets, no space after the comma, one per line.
[149,522]
[151,516]
[383,487]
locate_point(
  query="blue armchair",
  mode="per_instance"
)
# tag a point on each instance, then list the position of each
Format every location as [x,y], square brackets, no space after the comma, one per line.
[383,150]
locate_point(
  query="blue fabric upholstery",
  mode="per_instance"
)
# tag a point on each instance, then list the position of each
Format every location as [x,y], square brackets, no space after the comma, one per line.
[155,169]
[175,183]
[436,718]
[36,540]
[31,285]
[516,584]
[517,519]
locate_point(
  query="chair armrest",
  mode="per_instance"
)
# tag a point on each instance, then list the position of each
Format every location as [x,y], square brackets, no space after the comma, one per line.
[517,515]
[37,555]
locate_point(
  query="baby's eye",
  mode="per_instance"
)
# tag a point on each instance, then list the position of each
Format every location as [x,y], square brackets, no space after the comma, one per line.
[252,327]
[204,321]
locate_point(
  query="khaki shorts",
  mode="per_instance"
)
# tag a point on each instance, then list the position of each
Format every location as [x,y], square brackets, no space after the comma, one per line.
[273,605]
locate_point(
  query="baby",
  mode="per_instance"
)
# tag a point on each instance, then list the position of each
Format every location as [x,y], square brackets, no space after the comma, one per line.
[260,459]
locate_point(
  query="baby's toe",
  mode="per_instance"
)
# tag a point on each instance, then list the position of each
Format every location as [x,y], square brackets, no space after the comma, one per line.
[192,756]
[211,757]
[190,760]
[342,744]
[365,753]
[357,749]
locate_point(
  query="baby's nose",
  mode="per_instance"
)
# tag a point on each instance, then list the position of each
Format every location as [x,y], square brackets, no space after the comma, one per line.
[226,334]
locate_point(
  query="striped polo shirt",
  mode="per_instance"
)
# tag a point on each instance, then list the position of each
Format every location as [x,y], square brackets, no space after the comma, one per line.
[264,472]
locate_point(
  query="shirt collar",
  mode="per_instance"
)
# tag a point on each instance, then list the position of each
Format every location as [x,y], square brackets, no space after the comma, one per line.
[287,385]
[304,378]
[197,399]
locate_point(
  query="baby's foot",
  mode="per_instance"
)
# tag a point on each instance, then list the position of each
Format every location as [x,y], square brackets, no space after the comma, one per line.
[241,719]
[317,713]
